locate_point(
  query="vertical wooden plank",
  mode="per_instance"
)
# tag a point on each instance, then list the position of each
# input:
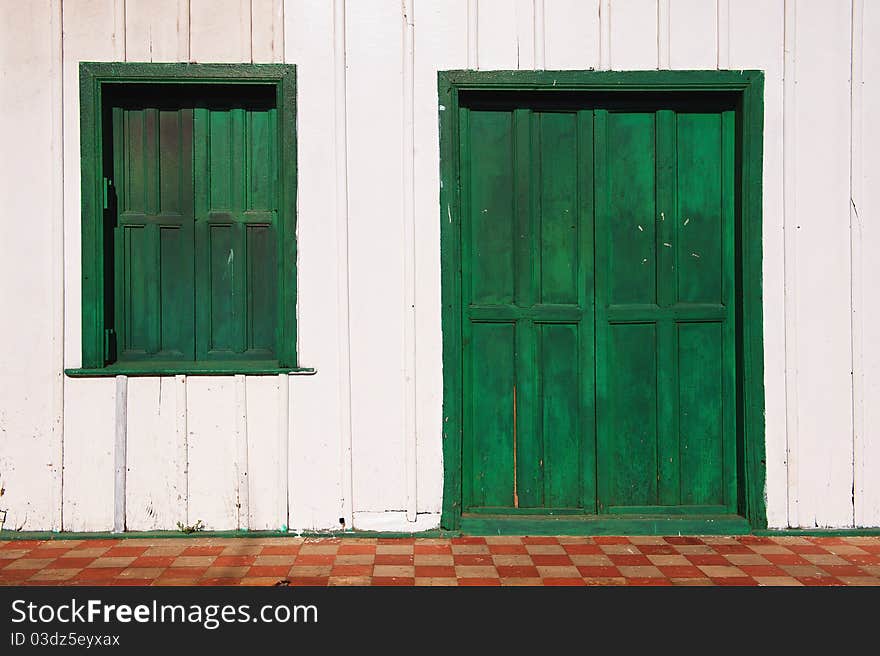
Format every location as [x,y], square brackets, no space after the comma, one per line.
[374,56]
[822,304]
[242,468]
[31,265]
[756,31]
[211,442]
[264,484]
[157,30]
[633,34]
[94,32]
[154,498]
[220,31]
[498,44]
[571,34]
[693,34]
[316,457]
[441,36]
[866,204]
[267,31]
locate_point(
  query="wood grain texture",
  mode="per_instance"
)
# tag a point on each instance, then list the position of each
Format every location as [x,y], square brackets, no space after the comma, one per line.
[220,31]
[157,30]
[693,34]
[633,35]
[571,34]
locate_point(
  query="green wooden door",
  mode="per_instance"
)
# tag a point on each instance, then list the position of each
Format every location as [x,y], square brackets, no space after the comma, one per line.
[598,335]
[195,230]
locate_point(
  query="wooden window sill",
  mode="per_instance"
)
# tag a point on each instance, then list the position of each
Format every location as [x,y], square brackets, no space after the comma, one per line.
[171,368]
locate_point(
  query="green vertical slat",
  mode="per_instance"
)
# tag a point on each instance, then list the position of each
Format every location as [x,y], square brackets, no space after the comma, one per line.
[560,414]
[668,473]
[700,389]
[202,153]
[224,315]
[172,170]
[120,161]
[151,162]
[240,175]
[728,290]
[177,332]
[220,182]
[604,409]
[699,219]
[557,240]
[259,157]
[491,214]
[586,297]
[137,289]
[492,362]
[135,169]
[261,293]
[464,289]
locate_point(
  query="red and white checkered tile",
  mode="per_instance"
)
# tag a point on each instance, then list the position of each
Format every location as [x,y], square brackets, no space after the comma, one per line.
[499,560]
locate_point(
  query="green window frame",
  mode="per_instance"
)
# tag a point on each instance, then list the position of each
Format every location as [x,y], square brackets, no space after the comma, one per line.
[99,83]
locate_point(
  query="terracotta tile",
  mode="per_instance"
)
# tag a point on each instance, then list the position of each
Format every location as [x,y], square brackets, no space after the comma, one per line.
[645,540]
[860,580]
[122,561]
[729,549]
[791,539]
[29,563]
[692,581]
[266,561]
[47,552]
[203,550]
[735,581]
[124,550]
[481,582]
[721,571]
[393,580]
[314,559]
[540,539]
[475,571]
[754,539]
[564,581]
[629,560]
[473,559]
[394,549]
[846,549]
[132,582]
[356,559]
[820,581]
[512,560]
[275,571]
[23,544]
[669,561]
[87,552]
[770,549]
[433,541]
[349,580]
[786,559]
[309,581]
[708,559]
[765,571]
[557,560]
[55,574]
[873,570]
[683,540]
[67,563]
[400,540]
[280,550]
[436,581]
[432,549]
[615,580]
[22,553]
[695,549]
[621,549]
[658,550]
[509,549]
[844,570]
[153,561]
[17,574]
[558,571]
[224,571]
[184,573]
[351,570]
[230,561]
[310,571]
[164,550]
[645,581]
[503,539]
[748,559]
[394,559]
[611,539]
[463,540]
[97,573]
[591,560]
[718,539]
[434,571]
[866,559]
[242,550]
[810,548]
[517,571]
[824,559]
[470,549]
[582,549]
[141,572]
[531,581]
[555,549]
[261,581]
[799,571]
[777,580]
[872,548]
[394,571]
[593,571]
[682,571]
[639,571]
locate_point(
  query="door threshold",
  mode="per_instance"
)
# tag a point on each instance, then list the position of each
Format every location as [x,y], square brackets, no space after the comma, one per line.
[473,524]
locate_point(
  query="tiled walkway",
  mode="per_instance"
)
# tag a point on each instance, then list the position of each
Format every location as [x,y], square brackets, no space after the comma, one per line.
[745,560]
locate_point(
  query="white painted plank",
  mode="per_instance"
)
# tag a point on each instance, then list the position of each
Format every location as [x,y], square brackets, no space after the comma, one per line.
[867,203]
[213,486]
[498,45]
[314,415]
[375,175]
[633,34]
[262,444]
[157,30]
[693,34]
[822,125]
[30,445]
[571,39]
[153,497]
[756,31]
[267,31]
[441,44]
[89,431]
[220,31]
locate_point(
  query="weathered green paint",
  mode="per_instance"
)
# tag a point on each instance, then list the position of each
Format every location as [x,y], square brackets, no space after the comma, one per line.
[174,368]
[198,176]
[674,424]
[604,525]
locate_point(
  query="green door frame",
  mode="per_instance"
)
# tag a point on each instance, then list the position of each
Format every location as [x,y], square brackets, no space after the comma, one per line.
[748,88]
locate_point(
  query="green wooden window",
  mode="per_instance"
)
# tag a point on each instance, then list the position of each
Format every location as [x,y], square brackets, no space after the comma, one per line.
[189,210]
[601,291]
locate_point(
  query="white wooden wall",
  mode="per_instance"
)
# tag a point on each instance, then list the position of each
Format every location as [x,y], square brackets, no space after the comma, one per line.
[361,440]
